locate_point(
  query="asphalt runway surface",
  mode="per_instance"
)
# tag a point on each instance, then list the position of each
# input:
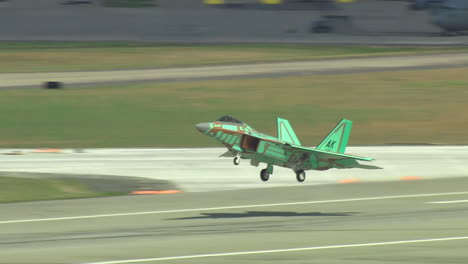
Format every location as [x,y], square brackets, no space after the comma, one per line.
[386,222]
[326,66]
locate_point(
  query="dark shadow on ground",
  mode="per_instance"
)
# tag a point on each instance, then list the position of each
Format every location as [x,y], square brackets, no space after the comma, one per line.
[261,214]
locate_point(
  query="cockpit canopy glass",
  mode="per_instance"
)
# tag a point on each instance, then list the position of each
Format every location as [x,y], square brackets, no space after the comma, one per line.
[229,119]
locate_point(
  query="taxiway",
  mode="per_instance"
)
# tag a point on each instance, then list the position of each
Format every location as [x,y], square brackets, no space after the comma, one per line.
[313,67]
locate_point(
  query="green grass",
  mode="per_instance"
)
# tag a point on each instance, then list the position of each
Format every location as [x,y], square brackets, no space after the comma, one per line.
[18,189]
[71,56]
[424,106]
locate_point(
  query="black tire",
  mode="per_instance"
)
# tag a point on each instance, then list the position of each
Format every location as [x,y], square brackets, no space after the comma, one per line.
[300,175]
[264,175]
[236,161]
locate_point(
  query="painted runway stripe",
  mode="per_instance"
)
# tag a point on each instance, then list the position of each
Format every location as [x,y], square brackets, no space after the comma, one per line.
[282,250]
[449,202]
[228,207]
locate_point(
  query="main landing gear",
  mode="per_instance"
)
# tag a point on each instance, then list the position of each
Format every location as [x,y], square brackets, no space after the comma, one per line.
[300,175]
[265,173]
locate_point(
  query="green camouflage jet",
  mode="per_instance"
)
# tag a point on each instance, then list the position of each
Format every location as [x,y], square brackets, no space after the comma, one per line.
[243,142]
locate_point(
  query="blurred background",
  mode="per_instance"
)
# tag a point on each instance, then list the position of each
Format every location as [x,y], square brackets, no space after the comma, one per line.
[101,98]
[75,43]
[229,20]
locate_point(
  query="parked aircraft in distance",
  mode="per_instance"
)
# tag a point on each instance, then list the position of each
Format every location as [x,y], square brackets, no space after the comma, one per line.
[422,4]
[244,142]
[450,15]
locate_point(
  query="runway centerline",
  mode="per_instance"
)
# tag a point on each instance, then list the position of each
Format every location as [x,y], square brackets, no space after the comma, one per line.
[449,202]
[283,250]
[228,207]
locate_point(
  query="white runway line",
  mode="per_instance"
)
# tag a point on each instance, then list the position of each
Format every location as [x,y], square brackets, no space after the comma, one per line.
[449,202]
[228,207]
[282,250]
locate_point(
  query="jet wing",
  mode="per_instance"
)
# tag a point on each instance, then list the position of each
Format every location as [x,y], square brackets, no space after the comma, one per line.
[327,155]
[309,158]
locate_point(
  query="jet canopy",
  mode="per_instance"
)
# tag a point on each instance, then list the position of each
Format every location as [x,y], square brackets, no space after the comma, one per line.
[229,119]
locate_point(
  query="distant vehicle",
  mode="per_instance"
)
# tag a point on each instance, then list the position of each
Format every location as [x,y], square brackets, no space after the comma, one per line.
[450,15]
[422,4]
[242,141]
[77,2]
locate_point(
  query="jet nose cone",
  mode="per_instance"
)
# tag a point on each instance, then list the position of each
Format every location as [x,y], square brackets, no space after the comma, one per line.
[203,127]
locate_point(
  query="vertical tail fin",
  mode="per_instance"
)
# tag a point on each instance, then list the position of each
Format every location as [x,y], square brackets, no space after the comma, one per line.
[286,132]
[337,140]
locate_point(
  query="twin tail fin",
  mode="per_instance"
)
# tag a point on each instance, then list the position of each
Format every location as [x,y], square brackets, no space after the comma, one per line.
[337,139]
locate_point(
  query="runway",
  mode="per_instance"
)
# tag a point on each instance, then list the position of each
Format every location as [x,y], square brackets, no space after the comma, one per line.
[323,66]
[225,214]
[380,222]
[197,170]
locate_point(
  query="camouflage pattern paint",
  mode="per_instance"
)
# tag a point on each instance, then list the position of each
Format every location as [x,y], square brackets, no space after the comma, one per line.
[286,150]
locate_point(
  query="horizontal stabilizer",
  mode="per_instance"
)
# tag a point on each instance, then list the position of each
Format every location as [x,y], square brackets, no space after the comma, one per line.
[332,155]
[369,167]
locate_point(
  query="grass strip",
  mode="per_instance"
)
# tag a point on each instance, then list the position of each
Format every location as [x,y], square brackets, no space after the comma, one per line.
[19,189]
[403,107]
[88,56]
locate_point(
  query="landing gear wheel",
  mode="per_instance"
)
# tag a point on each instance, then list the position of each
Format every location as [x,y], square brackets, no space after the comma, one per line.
[264,175]
[300,175]
[236,160]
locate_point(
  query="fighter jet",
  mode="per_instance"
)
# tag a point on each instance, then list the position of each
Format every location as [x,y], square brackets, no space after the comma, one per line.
[243,142]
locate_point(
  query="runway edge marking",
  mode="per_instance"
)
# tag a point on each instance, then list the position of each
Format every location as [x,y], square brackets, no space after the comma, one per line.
[281,250]
[228,207]
[448,202]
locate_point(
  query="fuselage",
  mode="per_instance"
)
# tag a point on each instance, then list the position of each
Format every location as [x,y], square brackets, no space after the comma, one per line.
[242,139]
